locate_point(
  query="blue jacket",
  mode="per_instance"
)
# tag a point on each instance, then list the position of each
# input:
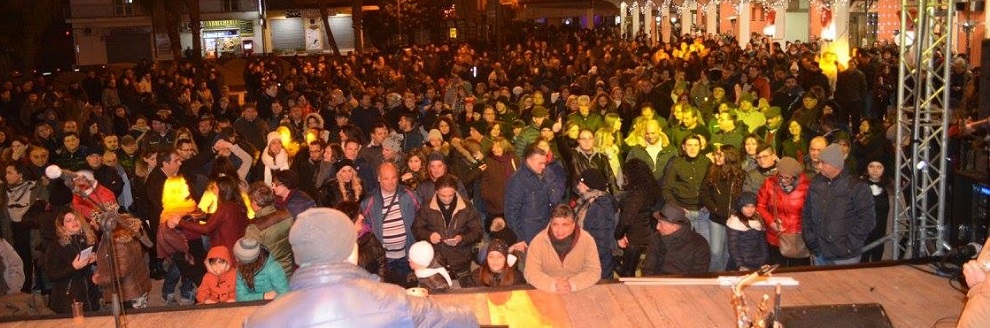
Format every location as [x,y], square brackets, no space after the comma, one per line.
[344,295]
[600,220]
[270,278]
[297,202]
[528,200]
[372,206]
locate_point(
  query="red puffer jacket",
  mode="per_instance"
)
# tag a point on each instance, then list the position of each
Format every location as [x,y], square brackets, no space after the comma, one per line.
[772,203]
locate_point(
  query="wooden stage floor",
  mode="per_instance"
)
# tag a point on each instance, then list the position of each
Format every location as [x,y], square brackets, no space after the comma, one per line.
[911,298]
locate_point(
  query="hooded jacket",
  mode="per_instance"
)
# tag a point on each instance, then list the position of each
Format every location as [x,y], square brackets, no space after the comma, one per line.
[773,203]
[218,286]
[747,242]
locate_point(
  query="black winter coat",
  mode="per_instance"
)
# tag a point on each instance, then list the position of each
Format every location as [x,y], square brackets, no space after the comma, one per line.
[838,216]
[748,244]
[68,283]
[719,197]
[683,179]
[635,216]
[465,222]
[683,252]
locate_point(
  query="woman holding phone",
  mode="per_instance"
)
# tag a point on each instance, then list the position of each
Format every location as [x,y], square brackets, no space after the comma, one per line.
[69,263]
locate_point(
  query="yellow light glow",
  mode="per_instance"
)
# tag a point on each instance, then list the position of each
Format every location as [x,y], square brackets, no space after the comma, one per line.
[208,203]
[175,196]
[291,147]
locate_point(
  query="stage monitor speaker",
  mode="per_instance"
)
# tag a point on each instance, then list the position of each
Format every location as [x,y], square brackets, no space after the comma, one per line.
[836,316]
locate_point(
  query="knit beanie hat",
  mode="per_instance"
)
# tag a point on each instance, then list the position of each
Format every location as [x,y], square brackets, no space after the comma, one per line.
[832,155]
[434,134]
[247,250]
[594,179]
[421,253]
[342,163]
[322,236]
[274,135]
[392,143]
[745,198]
[789,165]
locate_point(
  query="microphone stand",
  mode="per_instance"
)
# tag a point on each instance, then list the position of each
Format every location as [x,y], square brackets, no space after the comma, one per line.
[107,218]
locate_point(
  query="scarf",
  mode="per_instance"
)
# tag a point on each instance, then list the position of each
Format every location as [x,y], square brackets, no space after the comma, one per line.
[447,211]
[563,246]
[276,163]
[19,200]
[584,203]
[787,188]
[429,272]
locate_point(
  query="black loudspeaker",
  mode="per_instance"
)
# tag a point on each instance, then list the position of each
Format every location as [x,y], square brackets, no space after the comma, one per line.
[969,5]
[967,220]
[836,316]
[984,81]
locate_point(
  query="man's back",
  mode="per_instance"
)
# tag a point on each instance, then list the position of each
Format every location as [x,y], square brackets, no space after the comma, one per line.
[344,295]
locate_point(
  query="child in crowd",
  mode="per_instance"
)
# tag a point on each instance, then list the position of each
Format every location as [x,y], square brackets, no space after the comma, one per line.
[428,269]
[747,238]
[220,282]
[497,268]
[259,276]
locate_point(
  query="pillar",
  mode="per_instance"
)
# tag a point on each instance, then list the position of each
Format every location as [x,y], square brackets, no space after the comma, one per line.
[635,19]
[649,25]
[742,23]
[711,18]
[780,24]
[840,24]
[685,18]
[623,17]
[664,13]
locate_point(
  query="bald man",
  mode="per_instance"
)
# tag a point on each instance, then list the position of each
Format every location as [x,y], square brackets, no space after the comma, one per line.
[390,210]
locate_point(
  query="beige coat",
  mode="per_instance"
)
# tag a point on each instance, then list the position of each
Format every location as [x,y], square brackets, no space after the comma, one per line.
[581,266]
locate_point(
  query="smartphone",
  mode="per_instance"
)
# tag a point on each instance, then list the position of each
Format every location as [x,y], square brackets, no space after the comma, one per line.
[86,253]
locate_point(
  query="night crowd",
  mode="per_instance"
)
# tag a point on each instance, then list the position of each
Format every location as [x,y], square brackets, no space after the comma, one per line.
[554,162]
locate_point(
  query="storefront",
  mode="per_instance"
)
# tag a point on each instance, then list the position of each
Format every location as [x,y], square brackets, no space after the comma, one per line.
[225,37]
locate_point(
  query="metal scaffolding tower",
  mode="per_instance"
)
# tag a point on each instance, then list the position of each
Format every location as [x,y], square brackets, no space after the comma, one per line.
[922,120]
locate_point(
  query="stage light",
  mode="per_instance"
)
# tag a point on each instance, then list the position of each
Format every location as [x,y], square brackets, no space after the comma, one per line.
[921,165]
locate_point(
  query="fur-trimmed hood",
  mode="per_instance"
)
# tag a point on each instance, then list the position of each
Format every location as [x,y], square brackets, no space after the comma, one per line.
[128,228]
[735,223]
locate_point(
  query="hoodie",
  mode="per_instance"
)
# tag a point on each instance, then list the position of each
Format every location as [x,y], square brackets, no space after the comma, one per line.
[218,286]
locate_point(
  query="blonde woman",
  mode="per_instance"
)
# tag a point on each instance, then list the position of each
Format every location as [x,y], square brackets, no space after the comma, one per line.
[344,187]
[605,144]
[275,157]
[69,268]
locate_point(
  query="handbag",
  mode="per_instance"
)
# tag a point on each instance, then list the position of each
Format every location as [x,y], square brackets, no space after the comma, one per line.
[791,243]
